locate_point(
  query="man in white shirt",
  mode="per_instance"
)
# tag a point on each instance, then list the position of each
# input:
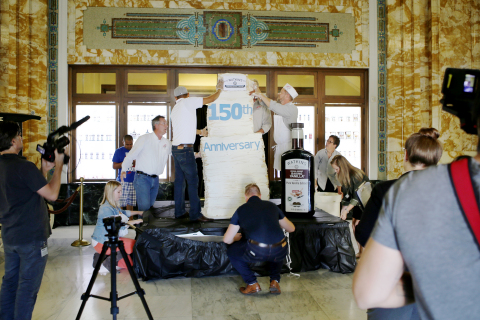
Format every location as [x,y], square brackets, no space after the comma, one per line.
[184,124]
[286,113]
[151,153]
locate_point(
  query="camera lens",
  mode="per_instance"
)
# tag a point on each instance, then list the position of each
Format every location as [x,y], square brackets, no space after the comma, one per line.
[62,142]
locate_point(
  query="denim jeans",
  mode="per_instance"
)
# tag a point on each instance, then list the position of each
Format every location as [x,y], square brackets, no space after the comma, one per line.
[146,189]
[24,267]
[186,171]
[242,252]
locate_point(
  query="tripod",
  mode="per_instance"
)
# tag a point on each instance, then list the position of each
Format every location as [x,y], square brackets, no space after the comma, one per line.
[113,243]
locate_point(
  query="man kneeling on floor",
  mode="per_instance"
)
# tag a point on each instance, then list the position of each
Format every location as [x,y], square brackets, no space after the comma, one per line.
[262,222]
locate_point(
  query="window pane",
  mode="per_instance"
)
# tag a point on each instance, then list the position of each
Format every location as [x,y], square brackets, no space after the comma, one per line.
[198,83]
[95,142]
[342,85]
[143,83]
[262,81]
[96,82]
[304,84]
[306,115]
[140,122]
[345,123]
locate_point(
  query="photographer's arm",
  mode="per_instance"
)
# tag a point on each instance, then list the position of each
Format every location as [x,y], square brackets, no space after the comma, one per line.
[51,190]
[46,166]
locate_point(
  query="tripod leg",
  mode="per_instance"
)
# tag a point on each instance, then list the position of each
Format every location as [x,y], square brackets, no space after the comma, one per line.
[113,273]
[86,295]
[140,291]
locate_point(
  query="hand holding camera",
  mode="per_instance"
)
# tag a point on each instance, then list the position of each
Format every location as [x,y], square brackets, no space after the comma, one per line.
[55,148]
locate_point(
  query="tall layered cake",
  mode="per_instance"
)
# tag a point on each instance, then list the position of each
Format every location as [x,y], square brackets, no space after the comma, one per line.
[233,156]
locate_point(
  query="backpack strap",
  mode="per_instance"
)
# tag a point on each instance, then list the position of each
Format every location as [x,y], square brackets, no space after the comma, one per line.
[463,186]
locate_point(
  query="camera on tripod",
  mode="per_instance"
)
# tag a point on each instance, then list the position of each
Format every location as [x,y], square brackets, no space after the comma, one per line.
[113,225]
[48,148]
[461,96]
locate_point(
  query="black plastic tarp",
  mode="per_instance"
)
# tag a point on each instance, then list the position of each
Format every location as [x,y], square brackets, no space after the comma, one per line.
[160,254]
[313,245]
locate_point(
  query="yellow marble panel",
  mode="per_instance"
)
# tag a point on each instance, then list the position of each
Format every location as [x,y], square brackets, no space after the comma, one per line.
[395,164]
[23,62]
[421,44]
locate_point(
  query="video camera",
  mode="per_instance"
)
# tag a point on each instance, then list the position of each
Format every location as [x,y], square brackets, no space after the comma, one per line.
[48,148]
[461,96]
[113,225]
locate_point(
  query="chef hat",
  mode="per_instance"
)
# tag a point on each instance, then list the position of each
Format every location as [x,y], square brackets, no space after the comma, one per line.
[293,93]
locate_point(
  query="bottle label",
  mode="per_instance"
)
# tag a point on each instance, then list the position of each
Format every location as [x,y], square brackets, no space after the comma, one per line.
[296,185]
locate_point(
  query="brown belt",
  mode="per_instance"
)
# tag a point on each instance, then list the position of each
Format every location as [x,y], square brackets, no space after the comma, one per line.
[184,145]
[282,243]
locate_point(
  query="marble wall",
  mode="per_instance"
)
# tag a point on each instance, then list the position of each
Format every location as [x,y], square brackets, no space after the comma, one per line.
[424,38]
[78,54]
[23,65]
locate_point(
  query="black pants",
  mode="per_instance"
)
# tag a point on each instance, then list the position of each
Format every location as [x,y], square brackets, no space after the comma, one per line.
[328,187]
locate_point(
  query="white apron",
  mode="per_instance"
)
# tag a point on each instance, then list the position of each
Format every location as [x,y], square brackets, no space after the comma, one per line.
[283,138]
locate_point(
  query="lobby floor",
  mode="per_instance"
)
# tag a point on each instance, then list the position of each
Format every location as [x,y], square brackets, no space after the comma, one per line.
[319,295]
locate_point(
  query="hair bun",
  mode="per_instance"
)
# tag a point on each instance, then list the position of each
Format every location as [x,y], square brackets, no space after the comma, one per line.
[429,132]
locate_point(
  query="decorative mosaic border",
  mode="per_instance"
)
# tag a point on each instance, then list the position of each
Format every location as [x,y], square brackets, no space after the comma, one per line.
[199,29]
[52,66]
[382,89]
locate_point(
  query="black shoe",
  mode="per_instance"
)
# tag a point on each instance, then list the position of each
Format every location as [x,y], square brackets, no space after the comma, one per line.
[183,216]
[203,219]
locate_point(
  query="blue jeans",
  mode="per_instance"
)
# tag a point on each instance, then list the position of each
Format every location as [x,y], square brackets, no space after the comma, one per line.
[186,171]
[242,252]
[24,267]
[146,189]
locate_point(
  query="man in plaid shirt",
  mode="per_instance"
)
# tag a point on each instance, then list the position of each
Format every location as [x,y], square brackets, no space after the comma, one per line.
[129,199]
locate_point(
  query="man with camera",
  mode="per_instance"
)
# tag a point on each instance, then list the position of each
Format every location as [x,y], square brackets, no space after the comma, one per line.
[430,223]
[25,222]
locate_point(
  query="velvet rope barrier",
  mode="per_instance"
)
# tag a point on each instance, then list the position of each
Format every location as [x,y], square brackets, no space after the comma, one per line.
[68,200]
[80,242]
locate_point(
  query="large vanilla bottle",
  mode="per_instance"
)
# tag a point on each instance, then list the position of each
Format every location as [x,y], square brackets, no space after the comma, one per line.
[298,178]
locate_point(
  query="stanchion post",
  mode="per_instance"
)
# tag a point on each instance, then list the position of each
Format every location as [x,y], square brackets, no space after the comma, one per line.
[80,242]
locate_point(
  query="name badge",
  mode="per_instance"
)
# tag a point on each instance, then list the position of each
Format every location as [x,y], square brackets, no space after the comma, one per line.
[44,249]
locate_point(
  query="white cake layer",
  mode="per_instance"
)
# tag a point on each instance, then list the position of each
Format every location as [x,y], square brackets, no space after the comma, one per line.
[229,164]
[230,114]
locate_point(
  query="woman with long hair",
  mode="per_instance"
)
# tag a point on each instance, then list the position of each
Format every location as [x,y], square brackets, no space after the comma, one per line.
[351,179]
[110,206]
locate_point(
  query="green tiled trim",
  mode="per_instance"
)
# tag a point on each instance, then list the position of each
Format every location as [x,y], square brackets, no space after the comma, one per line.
[52,66]
[382,89]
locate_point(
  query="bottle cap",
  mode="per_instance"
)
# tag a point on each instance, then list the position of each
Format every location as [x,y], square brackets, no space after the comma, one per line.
[297,125]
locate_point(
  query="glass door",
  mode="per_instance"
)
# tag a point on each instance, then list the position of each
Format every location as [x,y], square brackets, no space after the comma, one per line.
[306,115]
[345,123]
[95,142]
